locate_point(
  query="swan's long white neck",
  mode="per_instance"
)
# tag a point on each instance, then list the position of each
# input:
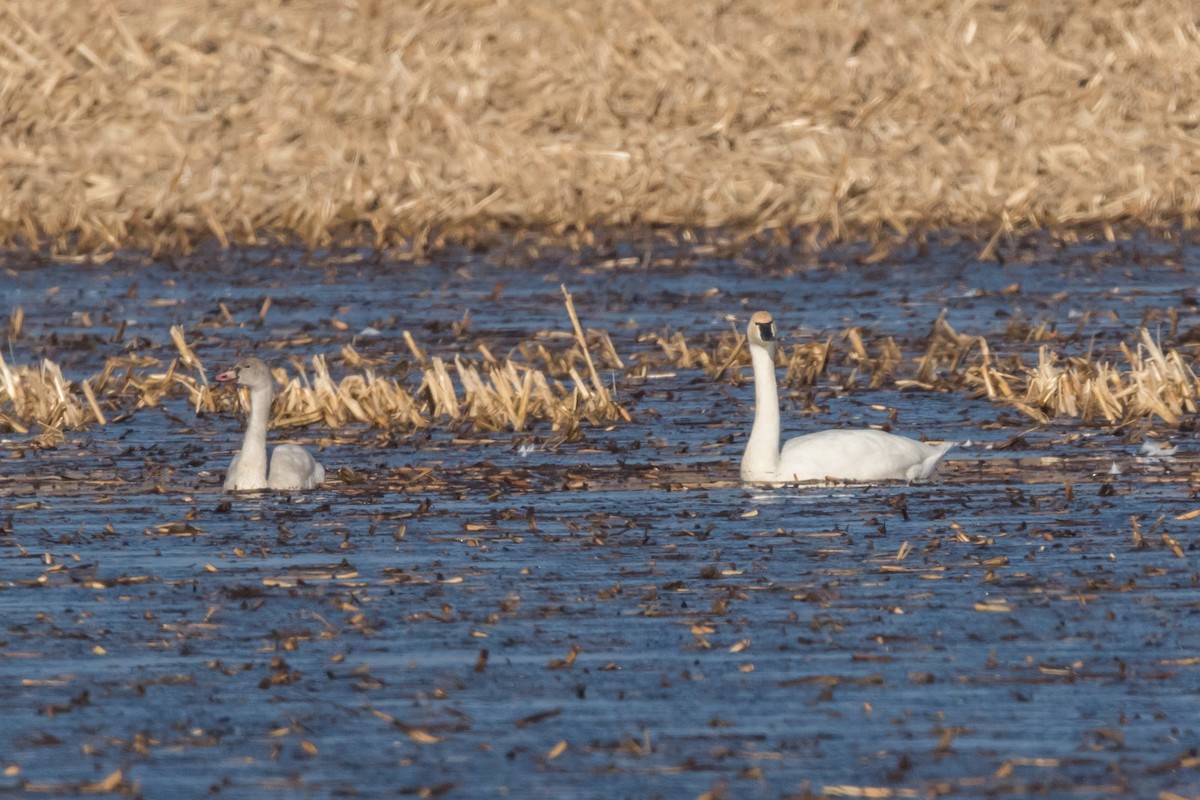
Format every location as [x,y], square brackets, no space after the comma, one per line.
[254,444]
[761,459]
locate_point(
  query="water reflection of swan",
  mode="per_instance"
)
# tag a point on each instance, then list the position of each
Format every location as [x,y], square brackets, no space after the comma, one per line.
[291,466]
[849,455]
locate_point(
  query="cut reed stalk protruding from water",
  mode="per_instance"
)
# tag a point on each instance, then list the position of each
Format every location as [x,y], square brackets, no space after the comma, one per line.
[200,391]
[581,340]
[417,352]
[92,404]
[600,402]
[16,323]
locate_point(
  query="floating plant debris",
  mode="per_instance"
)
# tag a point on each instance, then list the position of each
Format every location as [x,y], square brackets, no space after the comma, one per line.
[488,599]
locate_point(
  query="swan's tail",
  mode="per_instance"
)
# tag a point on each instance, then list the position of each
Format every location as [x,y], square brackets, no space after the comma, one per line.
[925,469]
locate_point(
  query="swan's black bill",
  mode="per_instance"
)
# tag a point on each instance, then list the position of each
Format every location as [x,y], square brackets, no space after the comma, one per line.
[766,331]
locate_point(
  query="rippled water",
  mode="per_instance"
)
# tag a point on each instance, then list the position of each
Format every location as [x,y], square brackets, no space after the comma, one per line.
[502,615]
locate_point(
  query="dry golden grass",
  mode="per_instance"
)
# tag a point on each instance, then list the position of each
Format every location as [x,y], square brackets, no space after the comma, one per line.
[490,394]
[486,394]
[1149,383]
[40,394]
[159,124]
[1159,384]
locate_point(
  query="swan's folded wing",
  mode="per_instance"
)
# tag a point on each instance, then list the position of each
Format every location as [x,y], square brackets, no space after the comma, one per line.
[292,467]
[856,455]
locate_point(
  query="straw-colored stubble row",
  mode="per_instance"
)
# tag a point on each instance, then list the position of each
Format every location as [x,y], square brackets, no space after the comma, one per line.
[161,124]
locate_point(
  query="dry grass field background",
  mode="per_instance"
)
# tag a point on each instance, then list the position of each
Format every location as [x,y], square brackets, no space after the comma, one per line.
[163,124]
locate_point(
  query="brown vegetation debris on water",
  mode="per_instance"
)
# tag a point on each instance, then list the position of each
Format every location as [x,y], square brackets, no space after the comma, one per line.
[161,124]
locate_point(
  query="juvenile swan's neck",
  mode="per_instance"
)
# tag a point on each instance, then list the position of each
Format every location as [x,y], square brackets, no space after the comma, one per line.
[761,460]
[254,444]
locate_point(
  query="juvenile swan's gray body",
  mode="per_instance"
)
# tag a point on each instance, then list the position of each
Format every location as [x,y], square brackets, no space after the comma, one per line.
[291,466]
[847,455]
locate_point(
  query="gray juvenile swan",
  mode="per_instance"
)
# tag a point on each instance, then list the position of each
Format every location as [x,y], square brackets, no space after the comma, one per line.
[848,455]
[291,466]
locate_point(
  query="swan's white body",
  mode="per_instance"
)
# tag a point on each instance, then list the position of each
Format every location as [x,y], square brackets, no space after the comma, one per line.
[845,455]
[291,466]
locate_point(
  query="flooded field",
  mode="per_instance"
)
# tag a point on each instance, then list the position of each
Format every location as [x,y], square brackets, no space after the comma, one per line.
[457,614]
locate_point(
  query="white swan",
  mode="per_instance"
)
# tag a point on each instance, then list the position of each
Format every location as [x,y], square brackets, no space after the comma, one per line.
[291,465]
[848,455]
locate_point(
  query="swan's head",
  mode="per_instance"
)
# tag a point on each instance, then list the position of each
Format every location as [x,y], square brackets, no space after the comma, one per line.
[761,330]
[251,372]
